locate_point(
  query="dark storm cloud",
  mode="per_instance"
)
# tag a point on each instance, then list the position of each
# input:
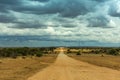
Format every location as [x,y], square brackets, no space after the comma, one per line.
[100,0]
[9,2]
[65,22]
[6,18]
[113,11]
[41,0]
[69,25]
[98,21]
[6,5]
[74,8]
[29,25]
[34,25]
[66,8]
[23,25]
[4,8]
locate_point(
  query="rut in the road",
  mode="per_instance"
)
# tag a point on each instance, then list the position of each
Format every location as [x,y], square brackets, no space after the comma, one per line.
[66,68]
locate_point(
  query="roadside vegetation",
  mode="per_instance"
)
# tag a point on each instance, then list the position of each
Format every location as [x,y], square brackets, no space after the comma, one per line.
[104,57]
[25,51]
[21,63]
[108,51]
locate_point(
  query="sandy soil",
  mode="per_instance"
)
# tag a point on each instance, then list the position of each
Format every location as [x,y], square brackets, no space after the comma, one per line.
[66,68]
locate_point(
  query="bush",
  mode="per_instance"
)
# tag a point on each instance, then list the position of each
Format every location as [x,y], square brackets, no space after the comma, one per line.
[23,57]
[24,51]
[68,51]
[102,55]
[39,54]
[97,52]
[0,61]
[113,52]
[14,57]
[78,53]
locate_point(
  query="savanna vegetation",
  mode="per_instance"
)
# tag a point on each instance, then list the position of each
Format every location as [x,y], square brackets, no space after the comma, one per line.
[21,63]
[25,51]
[104,57]
[92,50]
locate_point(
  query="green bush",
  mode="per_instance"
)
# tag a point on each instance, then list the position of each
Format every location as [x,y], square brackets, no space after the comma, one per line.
[15,52]
[23,57]
[68,51]
[113,52]
[39,54]
[78,53]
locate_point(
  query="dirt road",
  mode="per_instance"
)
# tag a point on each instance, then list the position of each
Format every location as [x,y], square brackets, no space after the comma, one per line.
[66,68]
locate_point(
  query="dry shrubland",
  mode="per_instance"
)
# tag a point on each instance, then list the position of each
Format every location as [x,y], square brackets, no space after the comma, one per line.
[21,69]
[104,57]
[21,63]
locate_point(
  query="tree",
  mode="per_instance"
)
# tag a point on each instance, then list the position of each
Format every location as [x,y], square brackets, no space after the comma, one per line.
[78,53]
[113,52]
[68,51]
[39,54]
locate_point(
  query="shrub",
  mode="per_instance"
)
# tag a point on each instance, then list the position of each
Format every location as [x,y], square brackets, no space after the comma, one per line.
[69,51]
[97,52]
[113,52]
[14,57]
[102,55]
[78,53]
[0,61]
[39,54]
[23,57]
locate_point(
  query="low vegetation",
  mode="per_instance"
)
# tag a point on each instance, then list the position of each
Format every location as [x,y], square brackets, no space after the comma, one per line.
[78,53]
[104,57]
[113,51]
[39,54]
[21,63]
[21,69]
[108,51]
[97,59]
[25,51]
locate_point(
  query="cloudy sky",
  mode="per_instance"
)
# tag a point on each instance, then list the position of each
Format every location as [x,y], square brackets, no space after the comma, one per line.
[59,23]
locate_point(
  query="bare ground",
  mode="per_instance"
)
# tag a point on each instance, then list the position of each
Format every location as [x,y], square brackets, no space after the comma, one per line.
[21,69]
[66,68]
[108,61]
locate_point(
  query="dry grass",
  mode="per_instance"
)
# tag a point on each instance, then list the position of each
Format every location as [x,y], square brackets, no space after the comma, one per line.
[21,69]
[96,59]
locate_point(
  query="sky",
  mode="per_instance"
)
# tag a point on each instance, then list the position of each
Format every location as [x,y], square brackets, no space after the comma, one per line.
[37,23]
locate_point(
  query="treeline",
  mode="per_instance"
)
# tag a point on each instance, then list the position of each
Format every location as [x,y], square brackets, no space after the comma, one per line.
[113,51]
[109,51]
[25,51]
